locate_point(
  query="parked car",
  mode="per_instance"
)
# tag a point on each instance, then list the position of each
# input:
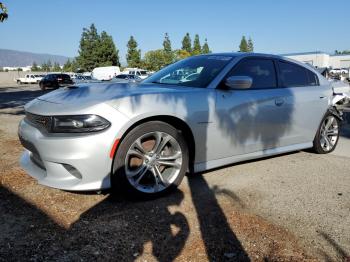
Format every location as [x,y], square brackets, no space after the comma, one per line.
[143,138]
[339,71]
[55,81]
[140,73]
[29,79]
[132,78]
[105,73]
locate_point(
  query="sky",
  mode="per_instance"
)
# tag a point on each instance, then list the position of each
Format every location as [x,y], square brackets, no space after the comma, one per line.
[284,26]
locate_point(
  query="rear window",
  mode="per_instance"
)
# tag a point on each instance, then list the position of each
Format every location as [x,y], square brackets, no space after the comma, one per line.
[293,75]
[65,76]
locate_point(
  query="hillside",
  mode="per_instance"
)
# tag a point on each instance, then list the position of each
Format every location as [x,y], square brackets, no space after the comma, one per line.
[19,58]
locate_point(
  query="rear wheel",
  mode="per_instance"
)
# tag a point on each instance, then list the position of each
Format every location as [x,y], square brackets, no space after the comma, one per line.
[151,160]
[327,135]
[42,86]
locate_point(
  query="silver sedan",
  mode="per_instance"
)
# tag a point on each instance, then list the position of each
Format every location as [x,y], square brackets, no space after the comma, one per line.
[143,138]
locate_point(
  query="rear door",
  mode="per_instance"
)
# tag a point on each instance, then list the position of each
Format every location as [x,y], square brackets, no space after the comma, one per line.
[255,119]
[307,98]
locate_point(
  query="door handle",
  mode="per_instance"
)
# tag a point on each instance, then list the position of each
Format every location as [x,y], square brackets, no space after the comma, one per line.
[279,101]
[323,97]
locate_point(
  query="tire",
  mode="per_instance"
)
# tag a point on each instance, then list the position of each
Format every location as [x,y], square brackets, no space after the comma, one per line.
[19,82]
[150,161]
[327,135]
[42,86]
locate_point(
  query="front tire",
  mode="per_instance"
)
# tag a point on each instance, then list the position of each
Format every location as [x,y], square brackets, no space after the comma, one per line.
[151,160]
[327,135]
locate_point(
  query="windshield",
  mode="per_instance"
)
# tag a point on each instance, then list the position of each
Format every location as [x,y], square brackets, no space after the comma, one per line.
[197,71]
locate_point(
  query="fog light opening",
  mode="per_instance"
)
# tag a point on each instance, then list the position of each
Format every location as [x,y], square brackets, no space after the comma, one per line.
[72,170]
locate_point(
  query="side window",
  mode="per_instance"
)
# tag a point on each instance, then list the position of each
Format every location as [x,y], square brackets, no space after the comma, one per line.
[262,71]
[313,78]
[293,75]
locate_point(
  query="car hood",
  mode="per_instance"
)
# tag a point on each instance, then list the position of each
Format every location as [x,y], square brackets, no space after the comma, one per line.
[97,93]
[79,97]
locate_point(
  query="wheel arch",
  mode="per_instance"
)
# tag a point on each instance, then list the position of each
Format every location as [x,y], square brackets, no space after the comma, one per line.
[177,123]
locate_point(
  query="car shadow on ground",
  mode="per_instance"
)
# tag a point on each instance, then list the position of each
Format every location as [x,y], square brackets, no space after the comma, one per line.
[13,101]
[120,229]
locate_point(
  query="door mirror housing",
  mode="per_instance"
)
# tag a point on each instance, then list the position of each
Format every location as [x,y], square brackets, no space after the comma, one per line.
[239,82]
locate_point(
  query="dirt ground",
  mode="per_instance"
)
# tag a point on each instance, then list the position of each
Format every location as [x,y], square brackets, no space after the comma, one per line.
[205,220]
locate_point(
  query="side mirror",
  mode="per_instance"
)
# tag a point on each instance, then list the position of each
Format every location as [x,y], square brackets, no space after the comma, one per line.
[239,82]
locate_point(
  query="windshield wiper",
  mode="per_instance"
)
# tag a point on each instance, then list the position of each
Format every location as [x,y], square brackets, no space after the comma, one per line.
[157,82]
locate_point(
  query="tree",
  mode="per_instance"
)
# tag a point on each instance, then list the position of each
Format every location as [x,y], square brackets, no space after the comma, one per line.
[344,52]
[49,65]
[155,59]
[243,47]
[133,56]
[186,43]
[197,49]
[3,13]
[250,45]
[168,53]
[34,67]
[88,49]
[181,54]
[56,67]
[107,52]
[96,50]
[67,67]
[205,48]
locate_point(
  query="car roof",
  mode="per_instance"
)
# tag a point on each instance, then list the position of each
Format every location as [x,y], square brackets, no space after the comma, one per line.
[251,54]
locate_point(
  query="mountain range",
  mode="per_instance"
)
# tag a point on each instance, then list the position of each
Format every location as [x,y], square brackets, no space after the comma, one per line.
[15,58]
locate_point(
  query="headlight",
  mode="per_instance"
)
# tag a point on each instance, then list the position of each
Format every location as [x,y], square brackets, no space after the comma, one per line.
[78,124]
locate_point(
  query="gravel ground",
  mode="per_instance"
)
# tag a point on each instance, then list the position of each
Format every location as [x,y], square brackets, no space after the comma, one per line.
[293,207]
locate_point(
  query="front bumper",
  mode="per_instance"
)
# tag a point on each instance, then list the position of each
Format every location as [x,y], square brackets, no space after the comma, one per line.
[65,161]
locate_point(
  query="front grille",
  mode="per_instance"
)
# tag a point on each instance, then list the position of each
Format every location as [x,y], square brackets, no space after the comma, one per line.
[39,121]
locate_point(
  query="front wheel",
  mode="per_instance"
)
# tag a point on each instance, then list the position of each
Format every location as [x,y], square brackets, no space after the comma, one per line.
[42,86]
[327,135]
[151,160]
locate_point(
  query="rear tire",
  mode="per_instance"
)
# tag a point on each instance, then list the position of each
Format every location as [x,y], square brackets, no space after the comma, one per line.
[327,135]
[150,161]
[42,86]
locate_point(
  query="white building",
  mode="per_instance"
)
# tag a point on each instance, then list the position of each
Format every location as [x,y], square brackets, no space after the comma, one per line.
[15,68]
[321,59]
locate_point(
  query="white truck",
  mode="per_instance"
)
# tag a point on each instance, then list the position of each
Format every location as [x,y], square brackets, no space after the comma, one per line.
[29,79]
[105,73]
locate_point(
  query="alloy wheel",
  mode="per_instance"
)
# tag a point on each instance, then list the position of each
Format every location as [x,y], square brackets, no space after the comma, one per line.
[329,133]
[153,162]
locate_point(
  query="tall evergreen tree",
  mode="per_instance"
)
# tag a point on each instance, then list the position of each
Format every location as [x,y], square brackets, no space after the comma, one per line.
[88,57]
[243,46]
[168,53]
[197,49]
[56,67]
[250,45]
[34,67]
[67,67]
[133,56]
[186,43]
[107,52]
[49,65]
[205,48]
